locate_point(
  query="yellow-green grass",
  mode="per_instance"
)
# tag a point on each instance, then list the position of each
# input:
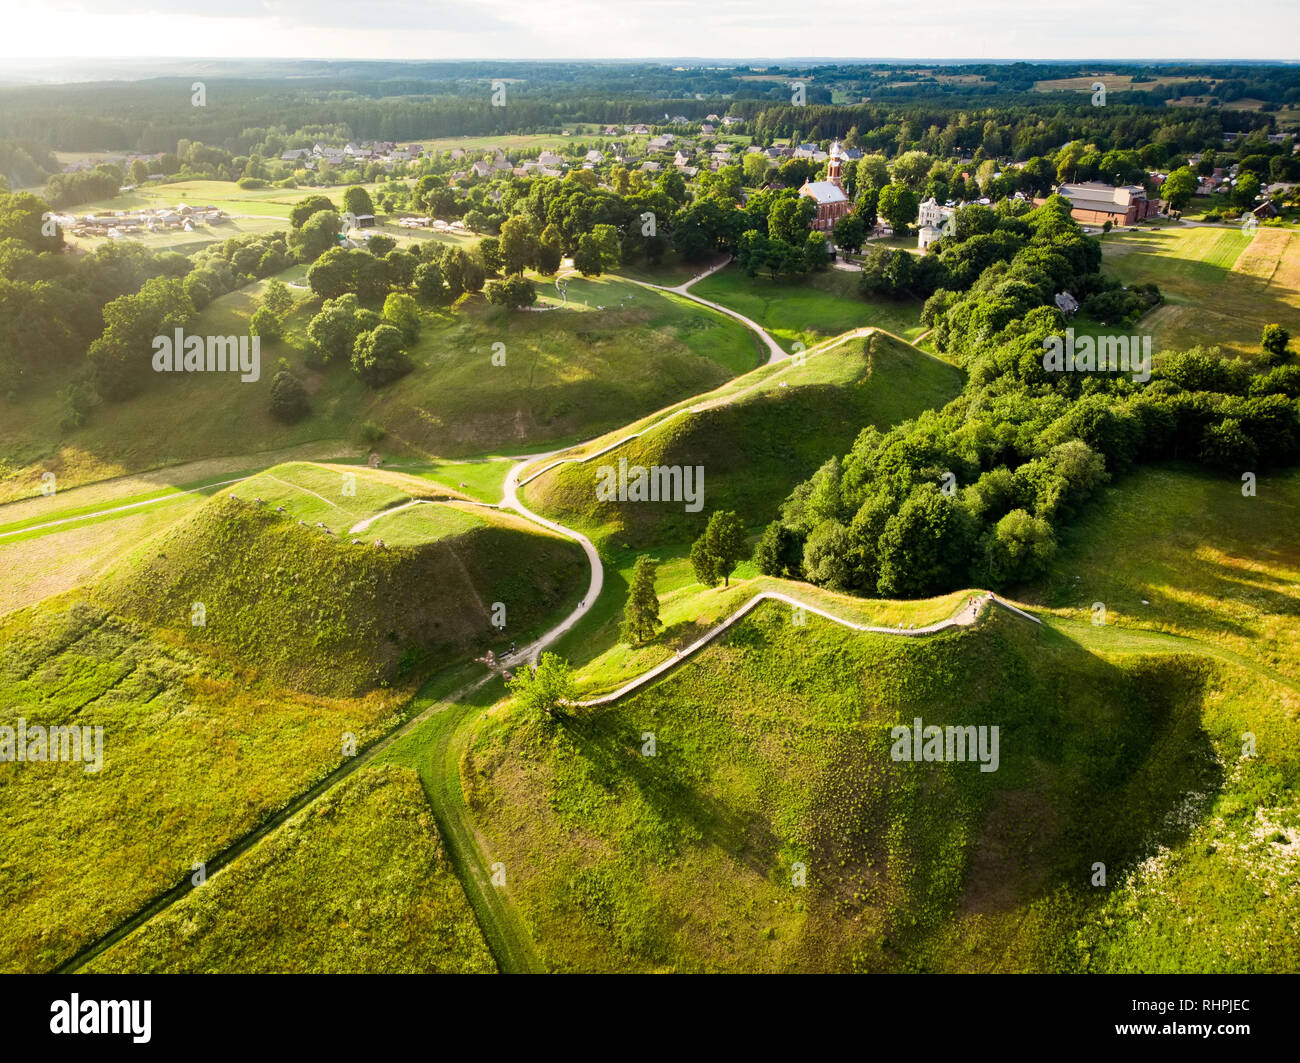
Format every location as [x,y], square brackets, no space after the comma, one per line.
[337,496]
[356,882]
[1211,565]
[319,613]
[568,374]
[196,752]
[822,305]
[1220,574]
[85,481]
[772,755]
[482,480]
[754,446]
[1221,286]
[424,524]
[39,567]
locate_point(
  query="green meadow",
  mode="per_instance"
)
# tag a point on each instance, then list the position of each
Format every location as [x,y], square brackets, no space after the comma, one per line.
[808,311]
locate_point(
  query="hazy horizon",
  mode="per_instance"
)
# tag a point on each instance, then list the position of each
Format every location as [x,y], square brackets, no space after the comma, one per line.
[637,30]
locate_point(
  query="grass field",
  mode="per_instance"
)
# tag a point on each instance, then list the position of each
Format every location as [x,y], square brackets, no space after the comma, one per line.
[824,305]
[196,751]
[1221,286]
[617,352]
[1178,549]
[1183,562]
[385,899]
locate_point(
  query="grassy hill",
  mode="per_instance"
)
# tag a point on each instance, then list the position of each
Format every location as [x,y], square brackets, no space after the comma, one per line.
[315,611]
[1182,561]
[756,443]
[809,310]
[773,751]
[197,751]
[385,898]
[616,352]
[208,730]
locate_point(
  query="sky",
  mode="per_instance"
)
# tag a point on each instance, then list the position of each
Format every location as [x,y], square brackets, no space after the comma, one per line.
[616,29]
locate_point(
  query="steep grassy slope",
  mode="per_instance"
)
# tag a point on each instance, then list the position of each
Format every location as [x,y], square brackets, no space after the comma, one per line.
[773,755]
[316,612]
[754,447]
[384,899]
[1181,560]
[208,730]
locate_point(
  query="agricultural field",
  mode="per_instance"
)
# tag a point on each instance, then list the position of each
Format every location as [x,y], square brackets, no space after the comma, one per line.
[1220,285]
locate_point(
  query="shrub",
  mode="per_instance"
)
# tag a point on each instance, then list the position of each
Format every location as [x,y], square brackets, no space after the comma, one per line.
[288,398]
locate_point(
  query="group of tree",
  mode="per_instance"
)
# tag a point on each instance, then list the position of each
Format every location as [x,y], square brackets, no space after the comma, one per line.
[978,491]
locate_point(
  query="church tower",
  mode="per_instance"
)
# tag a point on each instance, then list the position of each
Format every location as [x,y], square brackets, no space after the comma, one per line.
[833,166]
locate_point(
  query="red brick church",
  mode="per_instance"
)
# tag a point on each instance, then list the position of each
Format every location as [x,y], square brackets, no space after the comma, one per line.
[829,195]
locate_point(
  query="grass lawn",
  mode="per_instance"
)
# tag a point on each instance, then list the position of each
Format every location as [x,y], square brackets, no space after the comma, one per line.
[824,305]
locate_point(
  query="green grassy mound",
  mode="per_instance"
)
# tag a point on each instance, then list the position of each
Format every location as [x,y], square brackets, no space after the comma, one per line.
[1183,562]
[756,446]
[316,612]
[384,898]
[773,755]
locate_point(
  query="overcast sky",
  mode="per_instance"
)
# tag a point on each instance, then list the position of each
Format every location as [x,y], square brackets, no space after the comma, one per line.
[603,29]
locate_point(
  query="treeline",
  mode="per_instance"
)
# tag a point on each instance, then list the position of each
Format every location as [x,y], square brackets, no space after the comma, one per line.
[52,304]
[24,164]
[386,102]
[977,492]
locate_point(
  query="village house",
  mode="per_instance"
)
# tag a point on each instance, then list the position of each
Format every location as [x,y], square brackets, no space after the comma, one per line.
[829,195]
[1095,203]
[934,214]
[926,237]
